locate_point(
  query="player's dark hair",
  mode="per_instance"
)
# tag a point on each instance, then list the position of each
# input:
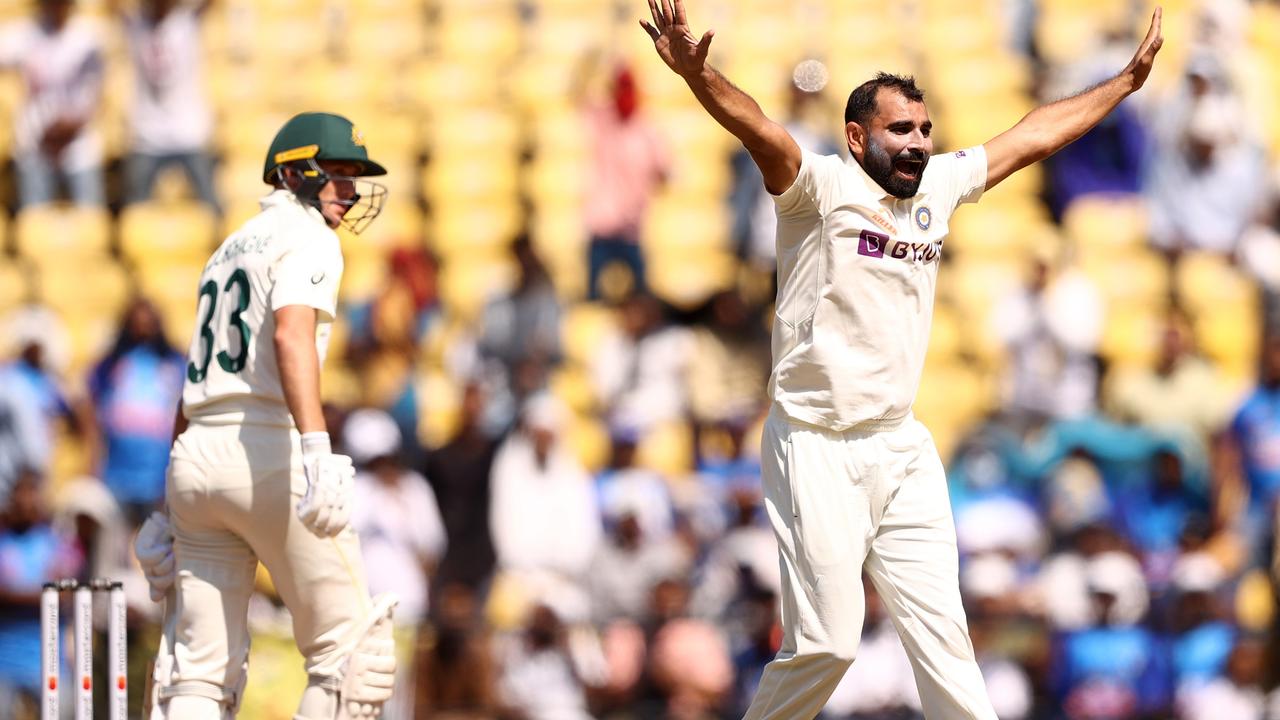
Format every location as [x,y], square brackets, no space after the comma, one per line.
[862,101]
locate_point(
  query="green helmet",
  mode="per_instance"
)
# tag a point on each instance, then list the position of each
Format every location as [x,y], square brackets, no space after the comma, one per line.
[307,140]
[318,136]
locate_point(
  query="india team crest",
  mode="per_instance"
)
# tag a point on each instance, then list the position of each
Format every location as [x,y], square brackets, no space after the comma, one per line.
[924,217]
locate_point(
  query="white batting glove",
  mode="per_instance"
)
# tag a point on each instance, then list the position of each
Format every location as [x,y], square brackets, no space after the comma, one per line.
[326,507]
[154,548]
[369,677]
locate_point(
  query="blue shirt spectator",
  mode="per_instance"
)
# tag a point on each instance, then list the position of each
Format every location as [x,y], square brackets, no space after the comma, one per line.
[135,391]
[31,553]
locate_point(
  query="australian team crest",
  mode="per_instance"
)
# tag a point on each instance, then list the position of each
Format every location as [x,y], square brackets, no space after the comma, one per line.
[924,217]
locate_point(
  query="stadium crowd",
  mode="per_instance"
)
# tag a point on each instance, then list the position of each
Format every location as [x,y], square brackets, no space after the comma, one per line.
[557,444]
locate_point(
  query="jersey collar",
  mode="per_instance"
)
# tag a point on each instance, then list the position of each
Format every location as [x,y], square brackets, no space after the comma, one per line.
[284,198]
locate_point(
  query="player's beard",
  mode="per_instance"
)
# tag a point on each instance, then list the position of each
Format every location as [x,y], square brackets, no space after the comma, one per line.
[879,166]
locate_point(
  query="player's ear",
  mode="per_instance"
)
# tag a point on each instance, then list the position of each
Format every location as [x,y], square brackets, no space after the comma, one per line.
[856,136]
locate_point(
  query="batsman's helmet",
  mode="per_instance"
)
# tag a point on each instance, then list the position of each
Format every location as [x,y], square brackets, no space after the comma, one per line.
[309,138]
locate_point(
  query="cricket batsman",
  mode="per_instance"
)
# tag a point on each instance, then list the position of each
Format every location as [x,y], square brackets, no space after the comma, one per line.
[252,476]
[852,481]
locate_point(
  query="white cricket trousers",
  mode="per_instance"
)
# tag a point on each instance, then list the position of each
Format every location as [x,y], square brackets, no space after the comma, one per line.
[842,502]
[231,493]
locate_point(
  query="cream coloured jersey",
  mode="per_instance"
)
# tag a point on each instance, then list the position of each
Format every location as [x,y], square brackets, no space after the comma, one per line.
[284,255]
[857,269]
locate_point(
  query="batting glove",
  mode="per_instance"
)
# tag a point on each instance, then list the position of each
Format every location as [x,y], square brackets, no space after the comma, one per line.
[326,507]
[370,673]
[154,548]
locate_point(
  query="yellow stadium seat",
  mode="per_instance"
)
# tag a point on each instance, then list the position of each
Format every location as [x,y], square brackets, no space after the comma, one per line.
[154,232]
[572,384]
[435,85]
[667,449]
[1228,333]
[473,227]
[1204,279]
[1106,222]
[1136,276]
[14,286]
[581,329]
[468,282]
[362,278]
[399,223]
[450,178]
[1130,335]
[384,37]
[687,277]
[473,131]
[57,232]
[952,397]
[486,34]
[678,224]
[588,438]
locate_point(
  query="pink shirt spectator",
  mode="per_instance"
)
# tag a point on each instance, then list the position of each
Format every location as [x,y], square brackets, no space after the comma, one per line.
[628,163]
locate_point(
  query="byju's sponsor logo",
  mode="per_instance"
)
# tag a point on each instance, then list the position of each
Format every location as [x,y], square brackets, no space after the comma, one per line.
[873,244]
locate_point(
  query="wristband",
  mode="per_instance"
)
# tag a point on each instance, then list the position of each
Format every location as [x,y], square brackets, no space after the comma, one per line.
[315,443]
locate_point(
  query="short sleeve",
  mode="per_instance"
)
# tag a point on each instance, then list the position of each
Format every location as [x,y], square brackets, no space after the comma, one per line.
[960,176]
[812,181]
[306,276]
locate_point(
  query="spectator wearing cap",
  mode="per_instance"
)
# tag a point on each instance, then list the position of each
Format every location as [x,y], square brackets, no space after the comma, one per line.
[1209,176]
[1114,668]
[545,516]
[629,163]
[402,536]
[1203,635]
[1240,693]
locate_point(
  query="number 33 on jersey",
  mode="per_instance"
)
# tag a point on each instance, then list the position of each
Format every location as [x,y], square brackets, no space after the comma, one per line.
[284,256]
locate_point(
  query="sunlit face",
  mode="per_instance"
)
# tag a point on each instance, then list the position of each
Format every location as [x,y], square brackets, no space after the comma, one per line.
[338,195]
[895,146]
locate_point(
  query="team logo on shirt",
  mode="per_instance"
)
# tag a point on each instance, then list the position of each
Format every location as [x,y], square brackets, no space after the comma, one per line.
[924,217]
[317,278]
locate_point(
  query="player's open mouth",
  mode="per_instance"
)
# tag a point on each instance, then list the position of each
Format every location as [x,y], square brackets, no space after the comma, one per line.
[909,169]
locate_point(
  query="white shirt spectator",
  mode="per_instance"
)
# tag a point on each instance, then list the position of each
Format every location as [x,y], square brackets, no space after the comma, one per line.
[170,112]
[399,526]
[62,71]
[543,516]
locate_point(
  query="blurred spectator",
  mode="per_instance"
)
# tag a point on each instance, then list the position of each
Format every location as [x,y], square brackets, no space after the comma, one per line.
[628,165]
[39,342]
[31,554]
[460,472]
[545,517]
[1249,453]
[755,222]
[1111,157]
[690,672]
[740,565]
[992,587]
[755,645]
[1240,693]
[135,391]
[1183,396]
[60,57]
[1051,328]
[455,674]
[520,331]
[728,363]
[1114,667]
[1259,253]
[1202,633]
[86,514]
[170,122]
[1153,514]
[539,678]
[1209,178]
[402,536]
[641,373]
[24,444]
[385,334]
[635,555]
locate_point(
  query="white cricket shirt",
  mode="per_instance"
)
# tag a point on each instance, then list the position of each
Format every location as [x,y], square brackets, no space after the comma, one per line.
[170,112]
[284,255]
[857,269]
